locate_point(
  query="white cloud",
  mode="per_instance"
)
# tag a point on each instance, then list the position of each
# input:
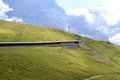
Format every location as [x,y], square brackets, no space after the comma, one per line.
[104,29]
[14,19]
[115,39]
[82,11]
[4,8]
[112,14]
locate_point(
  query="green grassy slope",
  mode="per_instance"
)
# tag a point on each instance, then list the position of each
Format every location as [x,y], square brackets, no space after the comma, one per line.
[55,63]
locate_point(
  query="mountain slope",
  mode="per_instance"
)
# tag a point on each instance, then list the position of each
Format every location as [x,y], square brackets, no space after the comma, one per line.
[54,63]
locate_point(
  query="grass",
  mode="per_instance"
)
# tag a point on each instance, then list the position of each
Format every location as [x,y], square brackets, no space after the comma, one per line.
[54,63]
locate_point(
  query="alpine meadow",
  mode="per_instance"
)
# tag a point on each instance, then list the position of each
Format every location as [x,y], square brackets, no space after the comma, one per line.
[95,60]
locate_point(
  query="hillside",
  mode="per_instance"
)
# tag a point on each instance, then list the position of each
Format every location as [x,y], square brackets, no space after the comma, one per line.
[95,58]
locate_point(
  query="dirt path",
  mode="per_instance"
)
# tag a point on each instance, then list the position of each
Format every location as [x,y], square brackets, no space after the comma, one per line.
[93,77]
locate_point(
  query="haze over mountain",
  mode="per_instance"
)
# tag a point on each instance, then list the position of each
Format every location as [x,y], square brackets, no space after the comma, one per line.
[39,12]
[48,13]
